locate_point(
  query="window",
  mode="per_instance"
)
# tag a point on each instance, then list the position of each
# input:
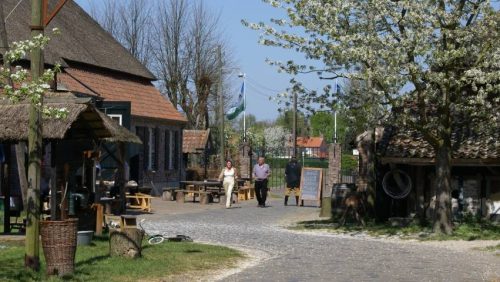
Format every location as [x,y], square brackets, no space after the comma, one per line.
[116,117]
[176,154]
[167,150]
[143,134]
[153,156]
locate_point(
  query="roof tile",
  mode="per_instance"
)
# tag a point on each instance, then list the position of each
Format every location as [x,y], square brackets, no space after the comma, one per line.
[145,99]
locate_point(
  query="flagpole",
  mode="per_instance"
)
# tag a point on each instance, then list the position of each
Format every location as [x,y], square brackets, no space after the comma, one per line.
[242,75]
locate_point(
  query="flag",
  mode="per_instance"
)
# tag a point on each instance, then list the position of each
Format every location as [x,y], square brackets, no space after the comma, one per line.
[234,111]
[337,88]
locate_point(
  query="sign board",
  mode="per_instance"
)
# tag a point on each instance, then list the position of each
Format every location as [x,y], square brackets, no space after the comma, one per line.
[310,183]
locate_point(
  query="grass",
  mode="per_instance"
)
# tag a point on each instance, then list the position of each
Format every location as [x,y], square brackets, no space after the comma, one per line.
[94,264]
[470,230]
[494,249]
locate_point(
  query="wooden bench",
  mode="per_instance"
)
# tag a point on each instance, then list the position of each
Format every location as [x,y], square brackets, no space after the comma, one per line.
[205,196]
[128,221]
[246,193]
[140,201]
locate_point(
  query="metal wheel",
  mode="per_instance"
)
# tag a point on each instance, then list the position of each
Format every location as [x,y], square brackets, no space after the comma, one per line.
[393,188]
[157,239]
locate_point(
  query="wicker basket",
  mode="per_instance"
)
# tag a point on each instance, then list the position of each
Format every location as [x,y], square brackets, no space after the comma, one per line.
[59,245]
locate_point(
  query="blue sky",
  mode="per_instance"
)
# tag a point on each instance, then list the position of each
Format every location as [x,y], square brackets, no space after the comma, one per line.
[262,80]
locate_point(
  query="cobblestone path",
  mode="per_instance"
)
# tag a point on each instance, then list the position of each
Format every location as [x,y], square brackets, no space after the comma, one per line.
[286,255]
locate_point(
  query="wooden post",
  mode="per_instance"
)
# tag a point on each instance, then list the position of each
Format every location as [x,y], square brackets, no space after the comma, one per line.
[121,175]
[179,197]
[21,170]
[64,196]
[31,259]
[53,182]
[4,47]
[6,190]
[99,218]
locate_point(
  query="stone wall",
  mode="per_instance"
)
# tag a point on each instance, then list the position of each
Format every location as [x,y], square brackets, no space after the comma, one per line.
[334,166]
[244,160]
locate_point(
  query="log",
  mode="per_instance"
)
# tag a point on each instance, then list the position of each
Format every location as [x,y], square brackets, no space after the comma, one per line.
[167,195]
[126,242]
[205,198]
[180,197]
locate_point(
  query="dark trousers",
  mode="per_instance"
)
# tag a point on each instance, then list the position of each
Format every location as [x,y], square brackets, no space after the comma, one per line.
[261,191]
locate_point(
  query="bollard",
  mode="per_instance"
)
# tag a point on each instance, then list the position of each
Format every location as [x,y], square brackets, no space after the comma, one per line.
[326,207]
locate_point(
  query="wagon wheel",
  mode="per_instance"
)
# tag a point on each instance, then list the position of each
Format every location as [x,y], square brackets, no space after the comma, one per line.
[397,184]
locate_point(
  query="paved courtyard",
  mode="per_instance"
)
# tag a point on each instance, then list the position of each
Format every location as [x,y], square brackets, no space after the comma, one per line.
[279,254]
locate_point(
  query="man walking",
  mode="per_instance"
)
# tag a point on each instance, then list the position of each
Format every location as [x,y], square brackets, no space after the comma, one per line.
[293,171]
[261,172]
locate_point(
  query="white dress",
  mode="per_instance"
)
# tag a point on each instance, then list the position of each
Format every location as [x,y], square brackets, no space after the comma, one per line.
[228,184]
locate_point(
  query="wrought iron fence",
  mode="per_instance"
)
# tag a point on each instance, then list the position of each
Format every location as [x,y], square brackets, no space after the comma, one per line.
[278,159]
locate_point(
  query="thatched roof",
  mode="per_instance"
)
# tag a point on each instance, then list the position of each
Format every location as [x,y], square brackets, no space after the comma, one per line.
[118,132]
[84,121]
[81,40]
[194,141]
[467,144]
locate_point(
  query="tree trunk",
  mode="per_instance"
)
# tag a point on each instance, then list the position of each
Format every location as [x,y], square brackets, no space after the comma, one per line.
[126,243]
[442,212]
[32,253]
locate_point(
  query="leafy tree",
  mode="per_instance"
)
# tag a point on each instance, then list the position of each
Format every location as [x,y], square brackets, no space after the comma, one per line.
[250,120]
[178,41]
[275,138]
[323,123]
[285,120]
[434,63]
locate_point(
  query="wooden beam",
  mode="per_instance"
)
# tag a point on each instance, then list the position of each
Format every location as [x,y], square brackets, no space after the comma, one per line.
[48,18]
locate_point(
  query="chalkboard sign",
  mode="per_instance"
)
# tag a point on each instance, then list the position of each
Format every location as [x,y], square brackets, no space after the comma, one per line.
[310,184]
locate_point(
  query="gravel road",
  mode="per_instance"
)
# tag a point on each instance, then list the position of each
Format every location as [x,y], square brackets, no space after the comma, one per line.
[283,255]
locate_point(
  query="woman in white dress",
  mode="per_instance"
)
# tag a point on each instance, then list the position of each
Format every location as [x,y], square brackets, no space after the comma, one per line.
[228,177]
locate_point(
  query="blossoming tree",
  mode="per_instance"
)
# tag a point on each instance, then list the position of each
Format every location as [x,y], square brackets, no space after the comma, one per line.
[434,63]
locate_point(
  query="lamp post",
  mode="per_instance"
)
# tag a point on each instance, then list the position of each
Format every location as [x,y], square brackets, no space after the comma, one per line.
[221,109]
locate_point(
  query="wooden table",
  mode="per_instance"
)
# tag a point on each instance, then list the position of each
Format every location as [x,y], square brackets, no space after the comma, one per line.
[140,201]
[203,192]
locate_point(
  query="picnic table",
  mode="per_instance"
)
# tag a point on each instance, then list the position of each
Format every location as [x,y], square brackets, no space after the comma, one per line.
[205,189]
[140,201]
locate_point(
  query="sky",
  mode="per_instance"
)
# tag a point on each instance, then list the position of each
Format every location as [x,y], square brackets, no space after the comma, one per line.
[262,80]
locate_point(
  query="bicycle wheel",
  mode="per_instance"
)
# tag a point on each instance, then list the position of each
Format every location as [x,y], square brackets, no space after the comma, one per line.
[157,239]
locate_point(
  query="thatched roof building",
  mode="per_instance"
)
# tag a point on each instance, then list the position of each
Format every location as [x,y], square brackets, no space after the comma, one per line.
[96,66]
[93,62]
[84,121]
